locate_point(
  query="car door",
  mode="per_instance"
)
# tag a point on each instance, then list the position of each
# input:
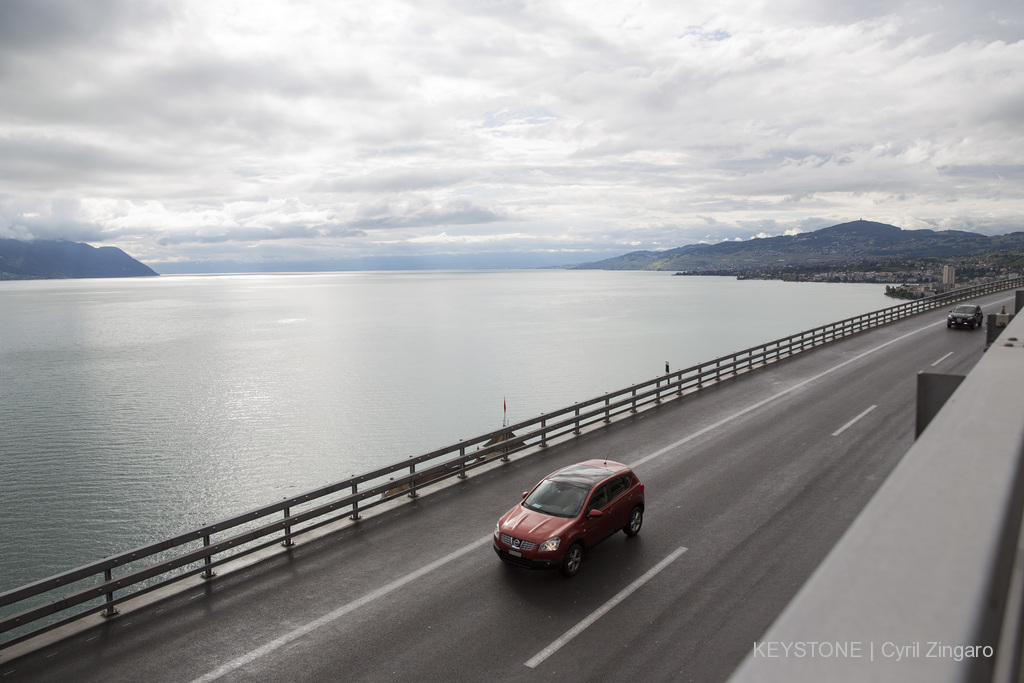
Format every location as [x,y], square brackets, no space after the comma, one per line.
[595,528]
[619,504]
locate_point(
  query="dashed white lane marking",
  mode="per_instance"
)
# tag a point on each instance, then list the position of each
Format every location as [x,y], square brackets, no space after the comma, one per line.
[701,432]
[603,609]
[853,421]
[942,359]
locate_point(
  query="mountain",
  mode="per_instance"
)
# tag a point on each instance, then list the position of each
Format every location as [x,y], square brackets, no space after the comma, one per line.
[847,243]
[53,259]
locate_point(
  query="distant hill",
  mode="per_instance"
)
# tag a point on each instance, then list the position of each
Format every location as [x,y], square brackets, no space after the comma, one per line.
[54,259]
[847,243]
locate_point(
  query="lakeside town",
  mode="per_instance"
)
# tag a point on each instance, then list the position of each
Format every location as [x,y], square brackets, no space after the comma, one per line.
[902,280]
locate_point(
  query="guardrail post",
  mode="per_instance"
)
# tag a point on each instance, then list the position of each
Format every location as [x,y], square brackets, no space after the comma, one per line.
[657,391]
[543,431]
[462,460]
[355,504]
[287,543]
[208,572]
[576,431]
[633,408]
[110,610]
[412,484]
[607,409]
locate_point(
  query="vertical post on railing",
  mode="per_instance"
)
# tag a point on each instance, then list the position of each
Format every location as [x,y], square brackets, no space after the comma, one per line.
[657,391]
[576,431]
[543,431]
[110,610]
[355,504]
[412,484]
[287,543]
[462,459]
[208,572]
[679,383]
[633,409]
[607,409]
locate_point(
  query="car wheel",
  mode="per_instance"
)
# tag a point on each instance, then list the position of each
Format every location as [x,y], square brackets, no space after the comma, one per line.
[572,560]
[636,520]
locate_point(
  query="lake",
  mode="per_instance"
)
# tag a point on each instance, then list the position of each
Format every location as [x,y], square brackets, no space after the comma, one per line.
[134,409]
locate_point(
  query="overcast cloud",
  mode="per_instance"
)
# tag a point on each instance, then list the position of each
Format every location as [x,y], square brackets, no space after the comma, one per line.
[254,130]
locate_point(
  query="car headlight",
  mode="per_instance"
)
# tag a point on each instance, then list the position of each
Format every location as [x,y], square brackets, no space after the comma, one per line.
[549,545]
[497,529]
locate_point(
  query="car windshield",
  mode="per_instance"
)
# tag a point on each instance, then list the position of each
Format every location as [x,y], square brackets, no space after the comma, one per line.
[557,498]
[964,309]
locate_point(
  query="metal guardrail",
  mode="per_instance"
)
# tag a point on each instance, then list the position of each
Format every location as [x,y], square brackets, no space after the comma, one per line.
[36,607]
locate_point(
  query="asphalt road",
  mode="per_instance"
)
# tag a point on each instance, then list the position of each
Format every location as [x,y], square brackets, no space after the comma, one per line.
[748,484]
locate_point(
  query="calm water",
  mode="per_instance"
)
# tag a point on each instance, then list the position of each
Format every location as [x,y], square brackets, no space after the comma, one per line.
[134,409]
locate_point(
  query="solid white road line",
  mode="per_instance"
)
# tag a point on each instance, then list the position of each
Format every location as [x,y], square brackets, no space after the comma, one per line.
[942,359]
[602,610]
[701,432]
[338,613]
[852,422]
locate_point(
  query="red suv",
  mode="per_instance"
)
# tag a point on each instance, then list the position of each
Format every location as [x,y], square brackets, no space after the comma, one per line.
[568,512]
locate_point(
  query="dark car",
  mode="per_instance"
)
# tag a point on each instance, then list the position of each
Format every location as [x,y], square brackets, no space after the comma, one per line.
[965,315]
[568,512]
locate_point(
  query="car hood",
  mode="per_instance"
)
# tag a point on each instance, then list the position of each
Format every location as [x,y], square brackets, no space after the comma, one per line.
[532,526]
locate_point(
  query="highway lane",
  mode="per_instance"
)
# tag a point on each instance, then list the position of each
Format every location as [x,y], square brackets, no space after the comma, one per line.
[756,479]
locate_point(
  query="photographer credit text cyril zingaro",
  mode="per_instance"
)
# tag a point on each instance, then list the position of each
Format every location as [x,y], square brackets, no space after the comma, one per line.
[858,649]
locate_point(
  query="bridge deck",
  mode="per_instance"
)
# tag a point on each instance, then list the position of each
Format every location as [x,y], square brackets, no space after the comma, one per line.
[756,479]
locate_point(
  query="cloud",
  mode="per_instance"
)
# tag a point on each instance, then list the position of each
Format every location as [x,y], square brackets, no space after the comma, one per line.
[265,127]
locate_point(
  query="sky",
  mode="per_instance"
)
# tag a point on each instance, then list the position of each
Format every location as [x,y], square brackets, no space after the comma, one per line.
[288,131]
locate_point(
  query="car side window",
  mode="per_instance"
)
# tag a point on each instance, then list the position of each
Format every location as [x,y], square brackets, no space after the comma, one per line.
[618,487]
[600,498]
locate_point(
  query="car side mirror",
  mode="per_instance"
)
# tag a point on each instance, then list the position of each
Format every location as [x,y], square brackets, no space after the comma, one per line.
[595,513]
[525,494]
